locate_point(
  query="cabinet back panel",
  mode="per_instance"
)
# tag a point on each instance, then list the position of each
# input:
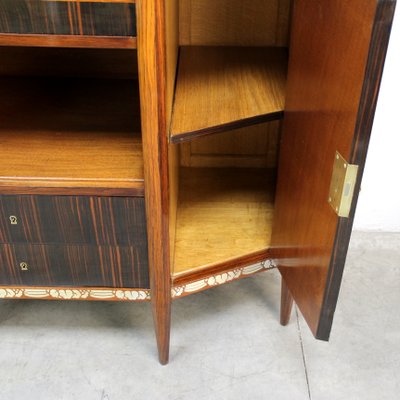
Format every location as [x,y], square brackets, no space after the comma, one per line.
[96,63]
[256,146]
[234,22]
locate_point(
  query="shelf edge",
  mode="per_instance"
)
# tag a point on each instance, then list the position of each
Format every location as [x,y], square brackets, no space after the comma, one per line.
[258,119]
[68,41]
[136,190]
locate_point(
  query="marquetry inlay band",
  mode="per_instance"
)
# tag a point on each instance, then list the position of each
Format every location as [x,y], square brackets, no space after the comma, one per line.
[220,279]
[75,294]
[48,293]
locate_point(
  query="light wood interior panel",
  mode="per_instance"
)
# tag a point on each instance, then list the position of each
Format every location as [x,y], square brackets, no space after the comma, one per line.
[234,22]
[222,214]
[172,46]
[250,147]
[223,88]
[88,137]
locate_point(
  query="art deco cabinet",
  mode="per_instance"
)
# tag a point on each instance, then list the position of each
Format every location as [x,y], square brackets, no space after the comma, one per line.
[152,149]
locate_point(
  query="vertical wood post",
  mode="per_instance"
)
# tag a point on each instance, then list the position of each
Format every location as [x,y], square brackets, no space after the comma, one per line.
[151,59]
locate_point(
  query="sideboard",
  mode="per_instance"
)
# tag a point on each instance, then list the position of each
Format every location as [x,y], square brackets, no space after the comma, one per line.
[152,149]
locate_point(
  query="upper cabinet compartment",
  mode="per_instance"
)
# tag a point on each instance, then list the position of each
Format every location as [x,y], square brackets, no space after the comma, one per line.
[68,23]
[232,65]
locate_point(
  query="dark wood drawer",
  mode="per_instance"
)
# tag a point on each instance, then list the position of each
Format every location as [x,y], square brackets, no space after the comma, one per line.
[73,219]
[56,265]
[68,17]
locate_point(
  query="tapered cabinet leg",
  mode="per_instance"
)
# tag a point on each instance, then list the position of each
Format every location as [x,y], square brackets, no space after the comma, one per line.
[286,304]
[162,326]
[152,66]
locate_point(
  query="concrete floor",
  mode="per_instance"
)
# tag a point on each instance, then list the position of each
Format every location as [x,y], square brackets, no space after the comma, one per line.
[226,342]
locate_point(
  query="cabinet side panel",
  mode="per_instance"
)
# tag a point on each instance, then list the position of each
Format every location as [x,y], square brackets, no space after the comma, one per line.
[172,39]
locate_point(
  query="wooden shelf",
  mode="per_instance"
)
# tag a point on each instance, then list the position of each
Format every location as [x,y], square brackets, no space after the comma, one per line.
[68,41]
[221,88]
[72,136]
[223,215]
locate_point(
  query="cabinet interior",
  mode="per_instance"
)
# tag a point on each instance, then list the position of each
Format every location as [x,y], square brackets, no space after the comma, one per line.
[226,69]
[89,138]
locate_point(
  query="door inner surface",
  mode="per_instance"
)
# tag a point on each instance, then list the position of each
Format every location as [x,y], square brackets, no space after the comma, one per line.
[337,53]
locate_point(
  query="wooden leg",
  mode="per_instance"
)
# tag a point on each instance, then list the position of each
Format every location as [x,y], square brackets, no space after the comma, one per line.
[286,304]
[162,326]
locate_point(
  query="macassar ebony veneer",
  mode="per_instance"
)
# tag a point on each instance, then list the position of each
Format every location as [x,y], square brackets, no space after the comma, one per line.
[68,23]
[74,265]
[117,221]
[73,241]
[68,17]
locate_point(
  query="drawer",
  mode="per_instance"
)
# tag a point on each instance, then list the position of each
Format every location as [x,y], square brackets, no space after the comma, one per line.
[73,220]
[72,265]
[63,17]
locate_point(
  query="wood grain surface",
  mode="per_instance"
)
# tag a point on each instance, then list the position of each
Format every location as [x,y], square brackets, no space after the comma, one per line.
[67,41]
[223,214]
[286,304]
[70,133]
[254,146]
[68,17]
[74,265]
[73,220]
[329,93]
[234,22]
[369,97]
[224,88]
[152,72]
[172,53]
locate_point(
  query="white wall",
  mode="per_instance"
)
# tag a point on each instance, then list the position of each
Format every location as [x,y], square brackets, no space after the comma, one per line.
[379,202]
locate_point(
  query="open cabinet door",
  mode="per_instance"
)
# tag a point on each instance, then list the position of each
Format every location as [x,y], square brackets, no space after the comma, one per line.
[337,53]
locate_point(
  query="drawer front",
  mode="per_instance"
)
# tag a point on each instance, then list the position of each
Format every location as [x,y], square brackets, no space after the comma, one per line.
[68,17]
[73,220]
[56,265]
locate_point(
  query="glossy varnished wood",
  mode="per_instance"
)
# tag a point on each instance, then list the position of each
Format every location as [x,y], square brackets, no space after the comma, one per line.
[70,135]
[74,265]
[104,18]
[172,52]
[152,72]
[336,57]
[69,41]
[223,215]
[286,304]
[73,220]
[219,89]
[369,97]
[221,268]
[254,146]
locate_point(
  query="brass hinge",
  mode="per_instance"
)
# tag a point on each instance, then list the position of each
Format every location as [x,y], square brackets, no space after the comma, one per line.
[343,181]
